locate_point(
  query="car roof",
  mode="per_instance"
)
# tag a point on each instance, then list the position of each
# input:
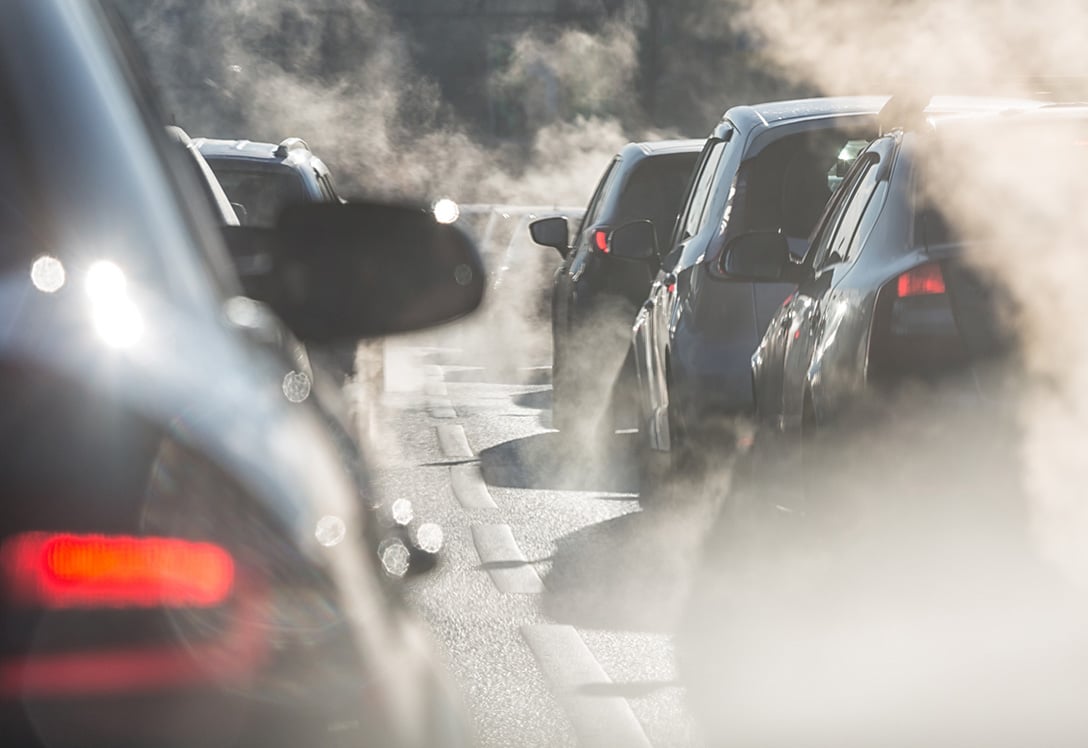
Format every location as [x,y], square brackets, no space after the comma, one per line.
[291,152]
[771,114]
[237,149]
[656,147]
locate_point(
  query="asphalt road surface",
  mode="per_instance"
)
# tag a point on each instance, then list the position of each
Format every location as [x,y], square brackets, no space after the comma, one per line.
[556,598]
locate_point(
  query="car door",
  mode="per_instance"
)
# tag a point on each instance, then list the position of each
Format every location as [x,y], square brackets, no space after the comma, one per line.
[658,312]
[570,268]
[812,316]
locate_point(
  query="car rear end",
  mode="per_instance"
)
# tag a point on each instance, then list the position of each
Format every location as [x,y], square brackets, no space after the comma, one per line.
[148,597]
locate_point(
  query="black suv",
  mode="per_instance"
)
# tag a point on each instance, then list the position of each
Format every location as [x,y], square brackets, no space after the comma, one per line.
[595,295]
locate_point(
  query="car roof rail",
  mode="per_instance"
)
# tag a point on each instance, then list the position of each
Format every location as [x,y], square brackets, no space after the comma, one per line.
[903,111]
[291,144]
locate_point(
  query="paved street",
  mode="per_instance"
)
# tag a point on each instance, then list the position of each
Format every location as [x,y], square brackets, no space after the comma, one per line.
[556,595]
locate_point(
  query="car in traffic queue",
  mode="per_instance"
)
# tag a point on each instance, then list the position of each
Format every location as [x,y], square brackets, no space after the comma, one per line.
[886,296]
[263,178]
[595,294]
[184,557]
[769,166]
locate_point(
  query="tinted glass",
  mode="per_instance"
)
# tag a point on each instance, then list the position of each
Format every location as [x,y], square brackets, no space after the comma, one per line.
[827,229]
[262,191]
[788,184]
[654,192]
[595,204]
[694,217]
[842,242]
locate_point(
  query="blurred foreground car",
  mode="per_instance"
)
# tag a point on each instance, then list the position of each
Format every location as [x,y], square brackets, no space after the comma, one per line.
[596,294]
[185,557]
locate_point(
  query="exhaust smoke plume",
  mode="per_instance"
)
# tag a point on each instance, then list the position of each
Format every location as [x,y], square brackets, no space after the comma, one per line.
[932,593]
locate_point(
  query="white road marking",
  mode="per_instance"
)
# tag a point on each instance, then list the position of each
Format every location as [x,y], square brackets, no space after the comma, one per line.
[569,667]
[452,441]
[469,487]
[506,563]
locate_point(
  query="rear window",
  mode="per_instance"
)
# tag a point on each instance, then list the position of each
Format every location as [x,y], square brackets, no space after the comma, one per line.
[655,191]
[263,191]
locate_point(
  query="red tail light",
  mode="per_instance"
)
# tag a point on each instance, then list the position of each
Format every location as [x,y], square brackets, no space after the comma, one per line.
[100,571]
[926,280]
[600,239]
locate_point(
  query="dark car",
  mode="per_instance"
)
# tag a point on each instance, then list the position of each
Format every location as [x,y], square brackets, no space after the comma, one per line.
[260,179]
[770,167]
[185,556]
[264,177]
[596,295]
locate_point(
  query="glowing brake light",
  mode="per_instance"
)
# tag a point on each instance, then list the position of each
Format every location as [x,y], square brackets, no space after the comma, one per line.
[926,280]
[600,240]
[111,571]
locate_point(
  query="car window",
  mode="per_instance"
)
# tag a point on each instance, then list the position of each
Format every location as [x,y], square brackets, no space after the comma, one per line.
[597,201]
[869,213]
[695,212]
[851,215]
[786,186]
[827,230]
[654,191]
[262,191]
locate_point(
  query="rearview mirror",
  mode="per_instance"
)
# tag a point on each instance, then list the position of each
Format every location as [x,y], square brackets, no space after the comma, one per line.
[551,232]
[634,241]
[335,272]
[757,256]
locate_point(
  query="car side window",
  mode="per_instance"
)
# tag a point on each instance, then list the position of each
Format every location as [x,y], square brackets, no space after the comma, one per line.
[842,243]
[827,237]
[597,201]
[869,214]
[695,213]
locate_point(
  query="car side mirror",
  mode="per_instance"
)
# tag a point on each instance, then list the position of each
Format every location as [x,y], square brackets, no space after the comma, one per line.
[758,256]
[336,272]
[634,241]
[552,232]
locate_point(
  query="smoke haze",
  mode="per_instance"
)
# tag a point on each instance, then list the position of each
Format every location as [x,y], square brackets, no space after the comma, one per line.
[939,598]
